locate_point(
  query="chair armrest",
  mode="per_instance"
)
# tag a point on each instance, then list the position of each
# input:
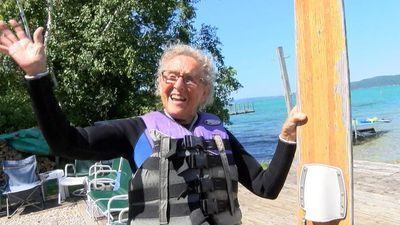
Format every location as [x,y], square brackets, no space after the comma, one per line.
[66,169]
[115,198]
[121,214]
[110,200]
[52,174]
[94,168]
[99,183]
[103,171]
[43,176]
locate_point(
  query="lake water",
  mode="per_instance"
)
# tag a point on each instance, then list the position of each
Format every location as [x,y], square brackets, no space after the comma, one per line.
[258,131]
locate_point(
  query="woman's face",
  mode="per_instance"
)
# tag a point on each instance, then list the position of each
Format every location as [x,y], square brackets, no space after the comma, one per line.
[182,90]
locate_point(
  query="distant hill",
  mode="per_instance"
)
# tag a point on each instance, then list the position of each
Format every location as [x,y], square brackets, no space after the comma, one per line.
[379,81]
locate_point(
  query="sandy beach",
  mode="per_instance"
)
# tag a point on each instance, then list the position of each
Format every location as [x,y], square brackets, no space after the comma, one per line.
[376,201]
[376,198]
[71,212]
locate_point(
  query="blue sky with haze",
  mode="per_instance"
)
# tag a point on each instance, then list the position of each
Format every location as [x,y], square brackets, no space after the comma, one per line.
[250,32]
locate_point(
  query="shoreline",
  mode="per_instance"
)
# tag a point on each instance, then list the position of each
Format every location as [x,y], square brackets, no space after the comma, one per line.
[376,201]
[379,149]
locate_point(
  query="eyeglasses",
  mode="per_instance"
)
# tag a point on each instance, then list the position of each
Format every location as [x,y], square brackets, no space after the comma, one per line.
[171,77]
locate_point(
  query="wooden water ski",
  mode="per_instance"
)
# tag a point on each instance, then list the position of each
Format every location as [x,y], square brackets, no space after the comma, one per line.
[323,94]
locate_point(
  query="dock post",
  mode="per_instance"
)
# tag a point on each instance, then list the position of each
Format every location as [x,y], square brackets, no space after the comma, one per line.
[285,79]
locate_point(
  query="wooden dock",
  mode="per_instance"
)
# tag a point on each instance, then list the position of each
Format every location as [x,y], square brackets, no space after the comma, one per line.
[376,198]
[241,108]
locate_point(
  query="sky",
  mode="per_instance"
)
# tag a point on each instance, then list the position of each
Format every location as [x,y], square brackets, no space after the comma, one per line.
[250,31]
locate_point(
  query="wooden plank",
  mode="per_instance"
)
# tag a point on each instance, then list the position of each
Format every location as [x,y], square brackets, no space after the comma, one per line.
[323,90]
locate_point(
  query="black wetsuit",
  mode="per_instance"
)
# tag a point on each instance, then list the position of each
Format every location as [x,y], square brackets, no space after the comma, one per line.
[119,138]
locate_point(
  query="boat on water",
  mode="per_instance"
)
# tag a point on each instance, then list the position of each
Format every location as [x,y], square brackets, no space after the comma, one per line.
[368,127]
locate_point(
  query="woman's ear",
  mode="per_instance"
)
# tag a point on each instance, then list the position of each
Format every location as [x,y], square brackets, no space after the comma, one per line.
[205,95]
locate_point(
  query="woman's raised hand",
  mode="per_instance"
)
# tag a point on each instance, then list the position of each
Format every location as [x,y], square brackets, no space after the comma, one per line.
[28,54]
[289,128]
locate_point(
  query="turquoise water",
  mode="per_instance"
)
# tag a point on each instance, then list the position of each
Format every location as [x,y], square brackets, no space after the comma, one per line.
[258,131]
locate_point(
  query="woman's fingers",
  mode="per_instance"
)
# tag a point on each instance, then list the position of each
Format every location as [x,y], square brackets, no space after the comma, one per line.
[10,35]
[4,49]
[4,33]
[3,46]
[300,118]
[18,29]
[38,35]
[297,117]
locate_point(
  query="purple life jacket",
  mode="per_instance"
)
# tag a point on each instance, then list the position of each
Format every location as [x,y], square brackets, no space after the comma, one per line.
[187,178]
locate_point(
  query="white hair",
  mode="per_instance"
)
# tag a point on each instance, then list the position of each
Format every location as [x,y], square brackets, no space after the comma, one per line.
[207,67]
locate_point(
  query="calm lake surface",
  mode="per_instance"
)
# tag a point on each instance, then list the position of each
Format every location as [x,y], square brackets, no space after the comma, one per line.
[258,131]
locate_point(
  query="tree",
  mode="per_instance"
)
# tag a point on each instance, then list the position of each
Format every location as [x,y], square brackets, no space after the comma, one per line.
[104,54]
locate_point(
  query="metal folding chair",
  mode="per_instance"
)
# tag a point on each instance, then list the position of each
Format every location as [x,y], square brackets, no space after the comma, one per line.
[110,203]
[74,175]
[80,168]
[23,186]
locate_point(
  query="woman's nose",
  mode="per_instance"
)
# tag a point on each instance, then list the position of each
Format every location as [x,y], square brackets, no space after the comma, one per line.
[179,84]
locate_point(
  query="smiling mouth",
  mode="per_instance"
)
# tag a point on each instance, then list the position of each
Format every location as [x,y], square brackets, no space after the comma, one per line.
[177,98]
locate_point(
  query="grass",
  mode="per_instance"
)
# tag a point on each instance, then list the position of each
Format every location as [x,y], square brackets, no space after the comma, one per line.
[264,164]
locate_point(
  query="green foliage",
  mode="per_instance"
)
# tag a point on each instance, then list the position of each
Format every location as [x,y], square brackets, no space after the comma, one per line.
[15,112]
[104,56]
[264,164]
[15,107]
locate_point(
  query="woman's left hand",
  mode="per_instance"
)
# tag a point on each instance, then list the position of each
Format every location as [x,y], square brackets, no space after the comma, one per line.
[28,54]
[289,128]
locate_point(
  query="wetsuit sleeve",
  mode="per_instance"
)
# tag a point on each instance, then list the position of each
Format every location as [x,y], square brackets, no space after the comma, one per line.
[105,141]
[265,183]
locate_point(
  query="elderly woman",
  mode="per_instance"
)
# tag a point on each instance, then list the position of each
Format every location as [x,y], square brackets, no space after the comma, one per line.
[186,165]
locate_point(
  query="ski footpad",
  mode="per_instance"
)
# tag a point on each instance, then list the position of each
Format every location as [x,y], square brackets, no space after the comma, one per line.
[322,193]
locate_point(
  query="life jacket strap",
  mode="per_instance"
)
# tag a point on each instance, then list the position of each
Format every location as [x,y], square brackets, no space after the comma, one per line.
[225,165]
[202,160]
[214,206]
[190,142]
[163,169]
[205,185]
[194,142]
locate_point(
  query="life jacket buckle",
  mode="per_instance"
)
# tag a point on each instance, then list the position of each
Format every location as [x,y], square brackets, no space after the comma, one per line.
[204,185]
[198,160]
[192,142]
[209,206]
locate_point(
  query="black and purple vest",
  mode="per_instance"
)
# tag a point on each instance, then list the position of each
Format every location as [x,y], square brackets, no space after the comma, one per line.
[190,177]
